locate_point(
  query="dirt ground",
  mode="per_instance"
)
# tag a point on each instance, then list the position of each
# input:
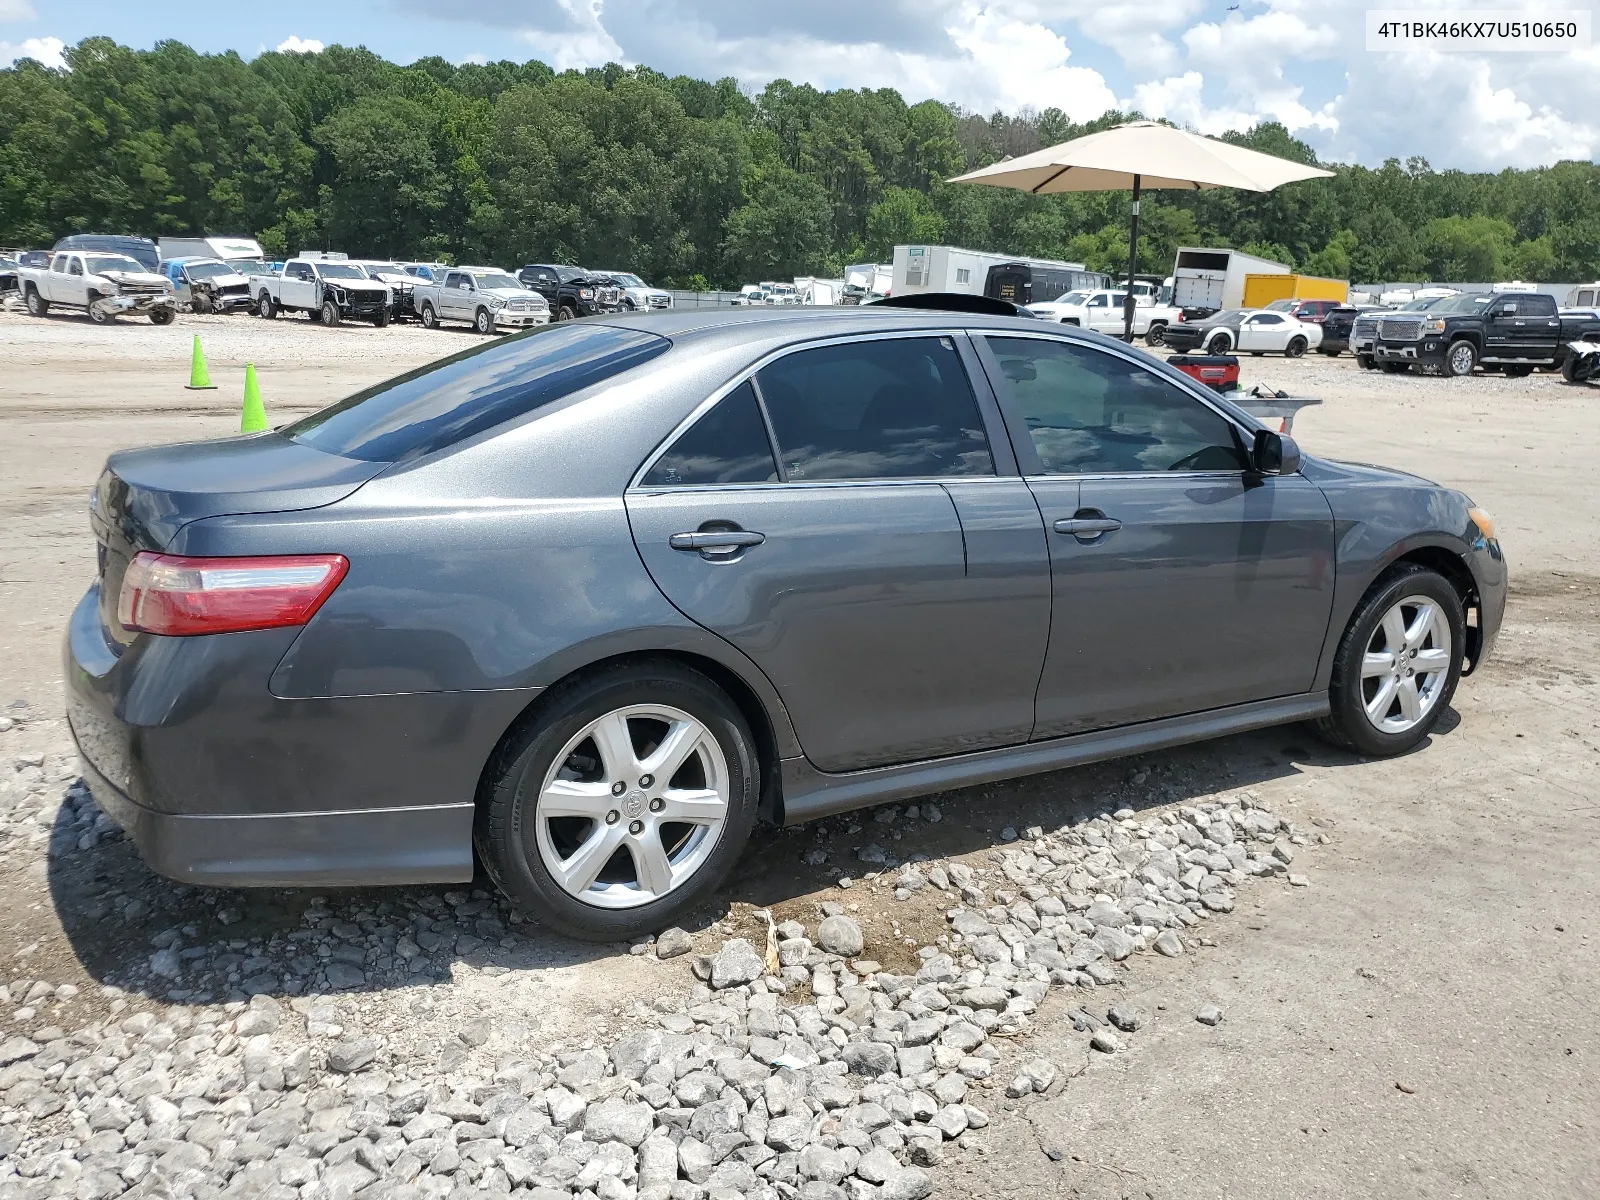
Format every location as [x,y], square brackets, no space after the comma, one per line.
[1417,1022]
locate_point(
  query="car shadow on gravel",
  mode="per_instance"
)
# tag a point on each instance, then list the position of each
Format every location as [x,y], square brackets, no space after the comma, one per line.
[180,943]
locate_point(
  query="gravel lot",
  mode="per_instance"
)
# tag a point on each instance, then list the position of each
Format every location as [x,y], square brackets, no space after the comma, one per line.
[1411,1019]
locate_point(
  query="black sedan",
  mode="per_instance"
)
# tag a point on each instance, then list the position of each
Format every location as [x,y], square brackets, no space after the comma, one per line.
[585,603]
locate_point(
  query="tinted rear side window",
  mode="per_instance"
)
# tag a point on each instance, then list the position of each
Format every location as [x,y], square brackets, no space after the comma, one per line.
[444,402]
[890,408]
[727,445]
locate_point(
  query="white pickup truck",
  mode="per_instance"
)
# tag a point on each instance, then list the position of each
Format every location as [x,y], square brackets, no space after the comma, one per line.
[487,298]
[1101,311]
[328,289]
[102,283]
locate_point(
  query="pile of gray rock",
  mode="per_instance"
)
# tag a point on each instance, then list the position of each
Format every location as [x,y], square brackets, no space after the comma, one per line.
[830,1077]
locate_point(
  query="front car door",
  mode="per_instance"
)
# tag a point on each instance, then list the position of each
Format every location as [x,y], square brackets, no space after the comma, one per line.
[1182,582]
[298,289]
[1264,332]
[842,518]
[452,297]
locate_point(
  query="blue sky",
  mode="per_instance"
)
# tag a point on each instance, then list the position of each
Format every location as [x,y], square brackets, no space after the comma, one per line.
[1208,64]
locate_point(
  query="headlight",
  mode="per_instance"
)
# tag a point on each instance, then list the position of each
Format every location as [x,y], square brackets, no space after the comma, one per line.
[586,293]
[1483,521]
[1434,326]
[496,302]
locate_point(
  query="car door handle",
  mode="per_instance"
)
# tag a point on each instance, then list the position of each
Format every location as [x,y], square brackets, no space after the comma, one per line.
[1088,527]
[725,540]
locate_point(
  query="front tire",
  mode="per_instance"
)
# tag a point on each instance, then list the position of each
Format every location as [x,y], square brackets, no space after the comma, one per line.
[162,316]
[575,814]
[330,313]
[266,307]
[1220,344]
[483,322]
[37,305]
[1395,368]
[98,315]
[1397,665]
[1364,361]
[382,319]
[1156,335]
[1296,347]
[1460,359]
[566,313]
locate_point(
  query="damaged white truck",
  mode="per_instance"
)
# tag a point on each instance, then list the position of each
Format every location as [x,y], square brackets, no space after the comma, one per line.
[103,284]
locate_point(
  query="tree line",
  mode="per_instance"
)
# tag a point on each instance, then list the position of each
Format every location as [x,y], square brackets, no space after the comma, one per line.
[688,182]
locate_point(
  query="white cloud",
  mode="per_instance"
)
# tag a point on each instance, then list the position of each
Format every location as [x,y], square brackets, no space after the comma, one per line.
[1302,62]
[47,50]
[298,45]
[16,10]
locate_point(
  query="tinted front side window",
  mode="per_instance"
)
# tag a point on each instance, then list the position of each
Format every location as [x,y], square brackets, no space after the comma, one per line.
[456,397]
[893,408]
[1093,413]
[727,445]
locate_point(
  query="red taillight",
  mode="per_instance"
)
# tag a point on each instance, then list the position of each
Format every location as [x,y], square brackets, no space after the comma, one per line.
[177,596]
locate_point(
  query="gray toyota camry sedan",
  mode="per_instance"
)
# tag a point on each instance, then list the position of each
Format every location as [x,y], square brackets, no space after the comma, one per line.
[588,602]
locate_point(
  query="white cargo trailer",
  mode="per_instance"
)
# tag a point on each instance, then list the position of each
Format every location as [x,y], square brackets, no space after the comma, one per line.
[980,273]
[1213,280]
[228,249]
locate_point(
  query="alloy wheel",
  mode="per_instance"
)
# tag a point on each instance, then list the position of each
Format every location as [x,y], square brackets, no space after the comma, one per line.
[633,806]
[1461,358]
[1406,665]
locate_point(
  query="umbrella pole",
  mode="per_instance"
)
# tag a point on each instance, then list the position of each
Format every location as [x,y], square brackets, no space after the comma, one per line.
[1133,265]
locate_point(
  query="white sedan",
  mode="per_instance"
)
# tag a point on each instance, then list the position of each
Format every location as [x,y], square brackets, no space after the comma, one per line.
[1256,332]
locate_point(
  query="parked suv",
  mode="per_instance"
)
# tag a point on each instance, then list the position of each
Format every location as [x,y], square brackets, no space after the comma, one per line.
[1512,331]
[1313,312]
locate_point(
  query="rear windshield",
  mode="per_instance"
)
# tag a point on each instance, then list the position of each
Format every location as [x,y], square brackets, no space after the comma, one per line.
[444,402]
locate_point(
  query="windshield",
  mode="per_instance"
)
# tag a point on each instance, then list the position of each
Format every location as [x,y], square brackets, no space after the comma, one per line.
[376,269]
[492,280]
[1070,298]
[1280,306]
[339,271]
[99,264]
[452,399]
[209,270]
[627,279]
[1461,304]
[568,274]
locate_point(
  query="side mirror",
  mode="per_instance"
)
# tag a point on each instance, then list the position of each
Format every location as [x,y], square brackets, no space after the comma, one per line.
[1274,454]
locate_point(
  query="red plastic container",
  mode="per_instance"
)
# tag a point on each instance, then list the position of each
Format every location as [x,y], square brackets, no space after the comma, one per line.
[1217,371]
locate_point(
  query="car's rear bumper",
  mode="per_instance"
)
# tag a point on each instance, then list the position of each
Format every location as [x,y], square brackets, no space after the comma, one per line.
[219,781]
[362,847]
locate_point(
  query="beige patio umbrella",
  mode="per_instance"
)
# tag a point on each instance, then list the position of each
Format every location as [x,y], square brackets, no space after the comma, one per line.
[1141,155]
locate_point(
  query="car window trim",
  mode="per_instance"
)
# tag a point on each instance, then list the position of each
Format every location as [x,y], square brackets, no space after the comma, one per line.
[749,372]
[1029,463]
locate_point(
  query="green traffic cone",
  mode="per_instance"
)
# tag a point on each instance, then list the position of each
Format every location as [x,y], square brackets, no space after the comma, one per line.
[199,377]
[254,417]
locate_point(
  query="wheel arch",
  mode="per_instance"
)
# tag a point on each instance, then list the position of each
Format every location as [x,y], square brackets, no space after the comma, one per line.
[759,704]
[1446,562]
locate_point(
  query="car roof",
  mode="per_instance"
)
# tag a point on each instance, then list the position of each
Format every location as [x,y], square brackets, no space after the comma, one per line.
[805,322]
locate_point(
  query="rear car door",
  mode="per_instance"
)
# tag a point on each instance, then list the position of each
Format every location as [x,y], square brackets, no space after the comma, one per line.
[1182,582]
[841,517]
[1539,330]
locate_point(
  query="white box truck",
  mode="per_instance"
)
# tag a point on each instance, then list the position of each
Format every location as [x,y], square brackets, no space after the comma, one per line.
[228,249]
[1211,280]
[980,273]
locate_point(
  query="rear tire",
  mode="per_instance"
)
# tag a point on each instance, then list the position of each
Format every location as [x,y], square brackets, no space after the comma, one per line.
[1517,372]
[1356,686]
[330,313]
[518,844]
[36,304]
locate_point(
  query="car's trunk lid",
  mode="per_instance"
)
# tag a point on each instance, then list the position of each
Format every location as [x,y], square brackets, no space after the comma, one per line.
[143,497]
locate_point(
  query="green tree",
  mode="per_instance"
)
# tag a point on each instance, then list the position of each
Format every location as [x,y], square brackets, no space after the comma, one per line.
[903,215]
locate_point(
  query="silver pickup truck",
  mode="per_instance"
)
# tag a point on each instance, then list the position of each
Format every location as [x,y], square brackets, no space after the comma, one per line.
[486,297]
[102,283]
